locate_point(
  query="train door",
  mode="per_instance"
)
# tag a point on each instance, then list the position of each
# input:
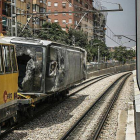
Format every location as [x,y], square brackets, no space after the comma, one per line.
[138,41]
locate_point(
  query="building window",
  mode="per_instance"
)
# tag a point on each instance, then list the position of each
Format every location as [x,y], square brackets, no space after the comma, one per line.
[56,20]
[49,11]
[76,22]
[49,3]
[55,4]
[64,4]
[49,20]
[64,14]
[35,8]
[64,21]
[18,11]
[44,1]
[70,13]
[70,20]
[41,9]
[70,5]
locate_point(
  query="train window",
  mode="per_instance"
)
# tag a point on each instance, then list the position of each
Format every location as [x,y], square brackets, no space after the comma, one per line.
[7,61]
[1,63]
[14,65]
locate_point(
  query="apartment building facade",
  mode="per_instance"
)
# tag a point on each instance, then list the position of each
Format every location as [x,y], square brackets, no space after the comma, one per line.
[71,19]
[9,9]
[39,6]
[5,14]
[8,17]
[100,20]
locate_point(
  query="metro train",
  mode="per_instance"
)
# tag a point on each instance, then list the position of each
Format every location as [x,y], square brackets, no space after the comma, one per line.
[8,83]
[45,68]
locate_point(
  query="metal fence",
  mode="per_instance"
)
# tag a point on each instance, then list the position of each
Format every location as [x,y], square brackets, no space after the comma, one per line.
[96,67]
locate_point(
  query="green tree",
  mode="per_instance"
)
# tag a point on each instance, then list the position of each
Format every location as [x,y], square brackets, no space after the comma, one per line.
[53,32]
[122,54]
[92,50]
[26,33]
[78,36]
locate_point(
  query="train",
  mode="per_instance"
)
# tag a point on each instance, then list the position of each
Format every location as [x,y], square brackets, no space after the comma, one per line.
[8,83]
[39,69]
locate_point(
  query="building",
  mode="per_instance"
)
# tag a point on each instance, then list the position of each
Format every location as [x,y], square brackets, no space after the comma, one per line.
[111,49]
[8,11]
[39,6]
[99,26]
[100,19]
[5,14]
[23,7]
[71,20]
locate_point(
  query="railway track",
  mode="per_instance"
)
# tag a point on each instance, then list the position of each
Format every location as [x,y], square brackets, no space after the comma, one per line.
[80,129]
[48,107]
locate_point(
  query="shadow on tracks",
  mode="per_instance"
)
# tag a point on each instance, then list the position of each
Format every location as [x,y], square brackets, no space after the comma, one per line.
[57,115]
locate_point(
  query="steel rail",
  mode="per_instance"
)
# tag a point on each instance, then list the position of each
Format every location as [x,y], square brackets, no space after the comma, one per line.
[68,133]
[97,79]
[48,107]
[104,118]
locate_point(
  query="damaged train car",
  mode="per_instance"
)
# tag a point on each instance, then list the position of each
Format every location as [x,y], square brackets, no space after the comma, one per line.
[48,67]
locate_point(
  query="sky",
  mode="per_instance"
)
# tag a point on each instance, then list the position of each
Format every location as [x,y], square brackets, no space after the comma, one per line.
[122,22]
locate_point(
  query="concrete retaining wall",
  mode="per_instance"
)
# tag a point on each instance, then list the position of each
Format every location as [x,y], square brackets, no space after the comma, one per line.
[117,69]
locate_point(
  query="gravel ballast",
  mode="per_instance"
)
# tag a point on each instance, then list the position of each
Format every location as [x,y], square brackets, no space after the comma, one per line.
[126,97]
[54,123]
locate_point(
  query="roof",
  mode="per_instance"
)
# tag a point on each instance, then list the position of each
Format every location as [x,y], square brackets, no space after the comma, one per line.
[4,40]
[22,40]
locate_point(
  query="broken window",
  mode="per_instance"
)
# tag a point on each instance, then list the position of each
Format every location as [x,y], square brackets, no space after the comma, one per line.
[30,65]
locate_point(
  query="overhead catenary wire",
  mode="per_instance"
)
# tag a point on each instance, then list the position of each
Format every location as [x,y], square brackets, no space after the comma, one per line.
[113,40]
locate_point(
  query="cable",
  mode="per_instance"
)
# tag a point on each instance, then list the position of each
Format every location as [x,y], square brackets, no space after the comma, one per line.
[109,2]
[113,40]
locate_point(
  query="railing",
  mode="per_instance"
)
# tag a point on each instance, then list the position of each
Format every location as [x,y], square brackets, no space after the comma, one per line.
[96,67]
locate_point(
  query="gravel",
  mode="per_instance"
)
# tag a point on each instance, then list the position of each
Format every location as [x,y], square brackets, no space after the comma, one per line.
[127,95]
[54,123]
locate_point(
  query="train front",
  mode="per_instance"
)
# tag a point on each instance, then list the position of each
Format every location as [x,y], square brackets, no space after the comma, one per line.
[8,83]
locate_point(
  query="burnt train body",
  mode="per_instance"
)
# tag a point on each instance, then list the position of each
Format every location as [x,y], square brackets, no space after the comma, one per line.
[48,67]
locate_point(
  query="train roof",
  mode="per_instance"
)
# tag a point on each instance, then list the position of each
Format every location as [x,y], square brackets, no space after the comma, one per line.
[14,40]
[22,40]
[3,41]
